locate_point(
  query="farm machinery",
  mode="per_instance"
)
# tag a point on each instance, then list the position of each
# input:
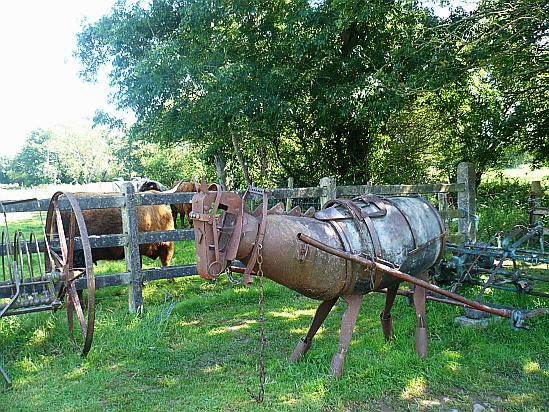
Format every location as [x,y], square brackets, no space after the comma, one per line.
[57,270]
[517,261]
[30,285]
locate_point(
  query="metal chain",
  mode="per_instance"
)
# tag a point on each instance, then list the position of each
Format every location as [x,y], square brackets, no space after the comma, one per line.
[229,273]
[259,398]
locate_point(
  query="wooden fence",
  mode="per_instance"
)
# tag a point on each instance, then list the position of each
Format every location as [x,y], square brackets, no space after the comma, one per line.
[128,200]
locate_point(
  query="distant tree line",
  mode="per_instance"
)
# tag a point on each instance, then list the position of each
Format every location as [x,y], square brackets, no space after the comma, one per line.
[81,153]
[368,91]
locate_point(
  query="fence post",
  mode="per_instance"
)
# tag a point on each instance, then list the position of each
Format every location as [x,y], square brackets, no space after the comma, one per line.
[289,199]
[131,248]
[330,193]
[442,200]
[467,201]
[535,199]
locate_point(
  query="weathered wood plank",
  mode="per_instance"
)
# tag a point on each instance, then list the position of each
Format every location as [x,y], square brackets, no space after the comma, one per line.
[541,210]
[124,278]
[296,193]
[103,241]
[451,214]
[345,191]
[101,202]
[146,199]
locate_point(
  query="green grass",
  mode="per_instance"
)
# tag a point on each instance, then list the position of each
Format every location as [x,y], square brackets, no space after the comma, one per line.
[196,347]
[522,173]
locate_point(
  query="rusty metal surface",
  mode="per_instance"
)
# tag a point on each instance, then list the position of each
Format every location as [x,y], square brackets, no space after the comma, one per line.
[406,232]
[217,220]
[59,263]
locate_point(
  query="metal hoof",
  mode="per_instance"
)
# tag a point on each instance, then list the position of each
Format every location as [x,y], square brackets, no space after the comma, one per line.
[300,350]
[336,368]
[387,327]
[421,342]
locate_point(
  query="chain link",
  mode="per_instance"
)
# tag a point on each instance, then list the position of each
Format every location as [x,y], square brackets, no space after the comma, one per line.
[234,281]
[261,290]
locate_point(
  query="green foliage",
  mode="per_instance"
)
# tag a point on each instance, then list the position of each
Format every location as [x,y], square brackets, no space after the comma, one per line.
[501,205]
[362,91]
[164,162]
[171,164]
[256,92]
[32,165]
[72,153]
[508,41]
[196,347]
[278,88]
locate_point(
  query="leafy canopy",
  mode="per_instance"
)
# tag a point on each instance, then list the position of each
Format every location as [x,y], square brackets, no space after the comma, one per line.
[270,89]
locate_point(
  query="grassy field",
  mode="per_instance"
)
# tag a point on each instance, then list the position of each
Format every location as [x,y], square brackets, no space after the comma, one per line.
[522,173]
[196,347]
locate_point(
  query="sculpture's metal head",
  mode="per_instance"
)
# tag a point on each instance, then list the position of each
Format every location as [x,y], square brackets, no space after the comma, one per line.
[217,217]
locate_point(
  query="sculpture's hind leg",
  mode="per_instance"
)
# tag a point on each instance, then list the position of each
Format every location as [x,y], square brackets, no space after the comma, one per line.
[305,343]
[348,323]
[386,321]
[420,296]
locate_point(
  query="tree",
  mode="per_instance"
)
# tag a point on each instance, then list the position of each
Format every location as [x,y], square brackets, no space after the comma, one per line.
[507,43]
[4,168]
[277,88]
[286,88]
[170,164]
[71,153]
[33,165]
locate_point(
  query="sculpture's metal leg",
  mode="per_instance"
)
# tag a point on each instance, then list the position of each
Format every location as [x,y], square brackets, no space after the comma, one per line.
[305,343]
[348,323]
[386,321]
[420,296]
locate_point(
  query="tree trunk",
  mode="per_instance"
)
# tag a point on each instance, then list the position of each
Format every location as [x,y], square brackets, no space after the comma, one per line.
[221,168]
[240,158]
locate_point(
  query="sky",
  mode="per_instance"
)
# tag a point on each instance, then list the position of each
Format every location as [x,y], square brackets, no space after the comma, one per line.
[39,84]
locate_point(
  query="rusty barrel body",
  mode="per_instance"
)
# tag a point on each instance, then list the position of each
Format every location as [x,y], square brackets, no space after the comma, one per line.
[406,232]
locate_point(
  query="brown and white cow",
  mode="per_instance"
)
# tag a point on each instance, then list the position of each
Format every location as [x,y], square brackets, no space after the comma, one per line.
[182,209]
[178,209]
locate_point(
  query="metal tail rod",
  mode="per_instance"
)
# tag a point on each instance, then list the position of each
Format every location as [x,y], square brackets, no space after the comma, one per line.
[516,316]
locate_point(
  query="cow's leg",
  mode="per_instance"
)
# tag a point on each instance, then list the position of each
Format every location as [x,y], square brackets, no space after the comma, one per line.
[187,208]
[305,343]
[174,217]
[386,321]
[348,323]
[420,297]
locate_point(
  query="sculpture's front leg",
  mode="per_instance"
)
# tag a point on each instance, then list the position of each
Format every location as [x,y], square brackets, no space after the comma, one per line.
[304,344]
[386,321]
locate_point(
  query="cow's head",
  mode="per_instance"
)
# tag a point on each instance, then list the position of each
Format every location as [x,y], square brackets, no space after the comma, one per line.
[217,217]
[145,185]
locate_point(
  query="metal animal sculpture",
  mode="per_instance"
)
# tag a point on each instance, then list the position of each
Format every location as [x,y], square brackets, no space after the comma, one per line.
[321,254]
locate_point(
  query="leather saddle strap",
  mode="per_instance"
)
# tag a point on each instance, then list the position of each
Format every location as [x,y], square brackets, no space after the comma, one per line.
[259,239]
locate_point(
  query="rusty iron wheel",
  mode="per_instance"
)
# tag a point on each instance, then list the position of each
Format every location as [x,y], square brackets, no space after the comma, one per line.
[62,235]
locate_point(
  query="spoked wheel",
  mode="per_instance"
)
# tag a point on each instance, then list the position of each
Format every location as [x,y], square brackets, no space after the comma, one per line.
[63,229]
